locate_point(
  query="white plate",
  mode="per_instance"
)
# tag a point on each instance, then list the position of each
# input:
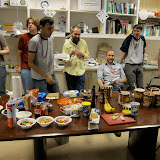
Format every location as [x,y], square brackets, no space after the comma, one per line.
[1,107]
[23,114]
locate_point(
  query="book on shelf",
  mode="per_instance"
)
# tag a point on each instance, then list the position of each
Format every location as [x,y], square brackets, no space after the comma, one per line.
[112,27]
[121,8]
[150,30]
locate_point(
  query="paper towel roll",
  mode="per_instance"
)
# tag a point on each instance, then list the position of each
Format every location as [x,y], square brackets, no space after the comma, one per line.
[16,87]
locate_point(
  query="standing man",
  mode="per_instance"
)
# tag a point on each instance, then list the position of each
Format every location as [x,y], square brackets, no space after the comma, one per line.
[159,65]
[133,49]
[4,50]
[111,72]
[75,68]
[40,58]
[32,24]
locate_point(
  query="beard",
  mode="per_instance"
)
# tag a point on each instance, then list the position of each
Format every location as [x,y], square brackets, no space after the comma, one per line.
[75,40]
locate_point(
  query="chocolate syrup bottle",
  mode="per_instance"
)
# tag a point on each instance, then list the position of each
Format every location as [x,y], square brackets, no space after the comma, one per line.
[93,103]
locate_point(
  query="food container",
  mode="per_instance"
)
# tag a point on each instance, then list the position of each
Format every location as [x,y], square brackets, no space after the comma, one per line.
[66,109]
[108,91]
[126,106]
[153,89]
[70,93]
[86,93]
[94,119]
[86,108]
[157,98]
[75,110]
[44,121]
[134,108]
[63,120]
[138,94]
[26,123]
[124,97]
[148,99]
[33,92]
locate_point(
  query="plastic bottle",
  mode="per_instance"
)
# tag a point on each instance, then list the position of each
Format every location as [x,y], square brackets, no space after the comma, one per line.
[85,28]
[145,59]
[9,64]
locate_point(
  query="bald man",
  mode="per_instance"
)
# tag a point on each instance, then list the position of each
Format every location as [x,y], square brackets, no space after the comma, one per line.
[111,72]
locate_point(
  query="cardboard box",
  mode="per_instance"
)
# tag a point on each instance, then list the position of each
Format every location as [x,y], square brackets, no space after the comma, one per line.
[7,27]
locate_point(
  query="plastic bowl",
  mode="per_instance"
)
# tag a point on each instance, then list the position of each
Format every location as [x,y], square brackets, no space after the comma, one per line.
[23,114]
[44,120]
[63,120]
[27,126]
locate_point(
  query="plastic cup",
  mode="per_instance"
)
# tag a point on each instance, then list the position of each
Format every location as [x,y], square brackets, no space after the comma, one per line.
[86,108]
[134,108]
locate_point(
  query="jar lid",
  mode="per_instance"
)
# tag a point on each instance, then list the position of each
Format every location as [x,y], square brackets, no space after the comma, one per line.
[86,103]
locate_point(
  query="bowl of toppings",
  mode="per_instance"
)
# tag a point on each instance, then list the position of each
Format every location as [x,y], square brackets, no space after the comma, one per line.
[63,120]
[23,114]
[44,121]
[26,123]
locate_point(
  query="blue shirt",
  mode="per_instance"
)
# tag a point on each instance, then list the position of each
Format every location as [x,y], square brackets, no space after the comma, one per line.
[106,73]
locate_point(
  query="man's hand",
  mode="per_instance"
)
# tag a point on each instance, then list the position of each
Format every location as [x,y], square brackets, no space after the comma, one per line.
[115,82]
[79,54]
[19,69]
[50,80]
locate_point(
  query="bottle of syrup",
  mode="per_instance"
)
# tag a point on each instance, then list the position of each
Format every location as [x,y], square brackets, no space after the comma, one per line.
[93,103]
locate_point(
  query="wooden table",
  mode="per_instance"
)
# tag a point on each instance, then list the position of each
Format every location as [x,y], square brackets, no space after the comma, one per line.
[143,132]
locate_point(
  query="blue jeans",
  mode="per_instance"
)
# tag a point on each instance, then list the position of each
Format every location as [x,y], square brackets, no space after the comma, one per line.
[26,80]
[75,82]
[2,79]
[117,86]
[43,86]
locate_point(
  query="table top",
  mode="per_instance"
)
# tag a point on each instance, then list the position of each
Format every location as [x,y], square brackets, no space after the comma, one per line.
[149,117]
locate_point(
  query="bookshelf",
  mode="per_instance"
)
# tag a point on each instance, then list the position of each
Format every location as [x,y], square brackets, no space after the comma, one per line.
[73,15]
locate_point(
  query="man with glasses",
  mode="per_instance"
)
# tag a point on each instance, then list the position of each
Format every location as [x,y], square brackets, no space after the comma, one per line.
[75,68]
[133,49]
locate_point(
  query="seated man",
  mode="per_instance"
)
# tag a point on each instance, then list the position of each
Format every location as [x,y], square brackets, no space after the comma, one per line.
[111,72]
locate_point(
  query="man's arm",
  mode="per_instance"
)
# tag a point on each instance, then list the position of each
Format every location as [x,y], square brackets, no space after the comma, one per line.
[5,51]
[122,57]
[100,83]
[159,65]
[31,59]
[19,60]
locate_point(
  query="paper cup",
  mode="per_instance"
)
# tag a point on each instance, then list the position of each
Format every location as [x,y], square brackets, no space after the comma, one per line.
[86,108]
[134,108]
